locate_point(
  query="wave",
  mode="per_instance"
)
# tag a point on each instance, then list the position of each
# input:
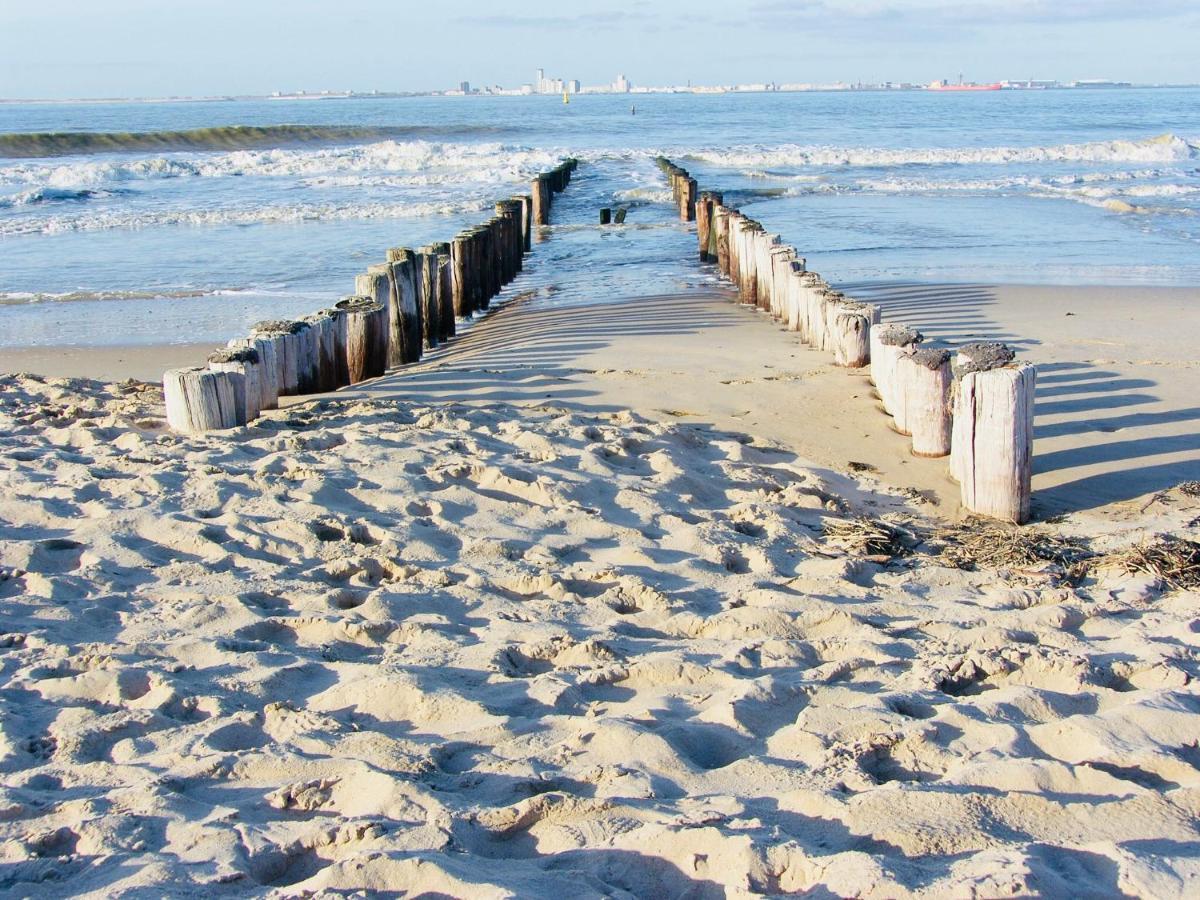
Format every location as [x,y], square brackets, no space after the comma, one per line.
[1163,149]
[421,162]
[226,137]
[261,215]
[52,195]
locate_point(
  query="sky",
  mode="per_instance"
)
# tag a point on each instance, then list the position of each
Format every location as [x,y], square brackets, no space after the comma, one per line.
[139,48]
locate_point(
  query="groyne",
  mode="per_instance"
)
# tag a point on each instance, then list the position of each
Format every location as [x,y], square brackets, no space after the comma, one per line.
[973,403]
[401,307]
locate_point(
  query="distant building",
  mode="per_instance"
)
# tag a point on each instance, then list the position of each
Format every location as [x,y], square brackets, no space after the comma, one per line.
[465,87]
[622,85]
[573,86]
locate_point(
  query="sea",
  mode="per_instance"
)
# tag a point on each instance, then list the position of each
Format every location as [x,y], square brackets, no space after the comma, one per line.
[175,222]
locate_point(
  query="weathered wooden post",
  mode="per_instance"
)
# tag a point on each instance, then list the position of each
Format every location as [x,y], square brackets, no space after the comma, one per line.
[687,199]
[922,388]
[540,191]
[496,243]
[200,400]
[526,222]
[279,333]
[622,212]
[376,283]
[324,328]
[748,256]
[991,453]
[445,293]
[404,313]
[704,215]
[780,258]
[888,343]
[268,368]
[366,337]
[721,223]
[341,367]
[850,333]
[426,271]
[605,215]
[460,275]
[243,361]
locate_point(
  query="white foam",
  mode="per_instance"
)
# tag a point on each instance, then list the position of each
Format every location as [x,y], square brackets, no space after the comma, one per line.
[1164,149]
[299,212]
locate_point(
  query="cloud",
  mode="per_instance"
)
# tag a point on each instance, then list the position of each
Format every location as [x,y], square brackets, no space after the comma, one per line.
[943,13]
[612,20]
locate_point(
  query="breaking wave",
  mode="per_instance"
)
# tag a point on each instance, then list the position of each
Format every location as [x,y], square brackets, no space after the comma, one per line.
[422,162]
[227,137]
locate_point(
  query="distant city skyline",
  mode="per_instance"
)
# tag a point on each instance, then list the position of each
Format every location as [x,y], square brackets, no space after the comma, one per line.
[70,48]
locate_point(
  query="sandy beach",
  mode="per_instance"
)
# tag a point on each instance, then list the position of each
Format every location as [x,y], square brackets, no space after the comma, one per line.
[574,607]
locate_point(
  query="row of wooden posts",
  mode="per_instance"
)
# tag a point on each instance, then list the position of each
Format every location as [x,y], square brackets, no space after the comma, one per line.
[400,309]
[974,405]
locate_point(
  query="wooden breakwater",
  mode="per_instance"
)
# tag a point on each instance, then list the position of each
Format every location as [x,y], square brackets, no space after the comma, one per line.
[401,307]
[973,404]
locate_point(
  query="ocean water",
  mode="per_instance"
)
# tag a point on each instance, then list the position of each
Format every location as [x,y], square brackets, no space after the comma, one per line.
[172,222]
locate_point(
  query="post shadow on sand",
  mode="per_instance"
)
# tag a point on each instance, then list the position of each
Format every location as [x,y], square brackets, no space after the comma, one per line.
[1069,394]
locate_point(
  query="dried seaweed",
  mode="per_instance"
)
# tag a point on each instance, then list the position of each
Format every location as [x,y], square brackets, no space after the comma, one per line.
[870,537]
[980,543]
[1171,560]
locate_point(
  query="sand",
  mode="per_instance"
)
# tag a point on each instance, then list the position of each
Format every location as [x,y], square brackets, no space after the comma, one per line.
[555,615]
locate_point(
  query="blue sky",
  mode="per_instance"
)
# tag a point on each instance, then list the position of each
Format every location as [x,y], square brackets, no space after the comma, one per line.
[72,48]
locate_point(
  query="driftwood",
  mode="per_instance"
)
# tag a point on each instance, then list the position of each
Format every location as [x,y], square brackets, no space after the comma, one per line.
[200,400]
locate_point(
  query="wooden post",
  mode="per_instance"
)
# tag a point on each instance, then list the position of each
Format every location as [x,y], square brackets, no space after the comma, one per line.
[246,362]
[888,344]
[366,337]
[445,293]
[279,333]
[268,368]
[780,260]
[737,224]
[687,199]
[377,284]
[460,287]
[622,211]
[325,329]
[540,191]
[922,388]
[200,400]
[991,453]
[426,269]
[526,222]
[404,316]
[496,254]
[341,368]
[704,213]
[713,202]
[764,250]
[850,333]
[721,227]
[605,216]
